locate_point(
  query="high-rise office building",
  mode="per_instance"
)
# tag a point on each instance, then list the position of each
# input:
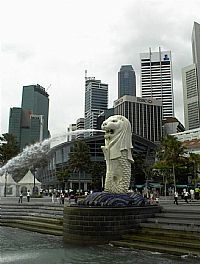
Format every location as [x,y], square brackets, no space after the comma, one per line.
[71,136]
[15,123]
[191,84]
[96,101]
[80,125]
[156,79]
[126,81]
[196,51]
[190,97]
[30,122]
[144,114]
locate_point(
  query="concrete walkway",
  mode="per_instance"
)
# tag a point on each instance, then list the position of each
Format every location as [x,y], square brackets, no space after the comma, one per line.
[165,202]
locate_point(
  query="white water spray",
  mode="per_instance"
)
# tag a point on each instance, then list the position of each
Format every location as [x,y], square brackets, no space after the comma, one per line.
[34,153]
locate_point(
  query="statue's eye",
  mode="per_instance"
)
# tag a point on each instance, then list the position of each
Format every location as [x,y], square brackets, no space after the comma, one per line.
[114,121]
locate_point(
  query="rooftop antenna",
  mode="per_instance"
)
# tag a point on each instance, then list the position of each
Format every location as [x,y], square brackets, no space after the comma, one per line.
[48,87]
[85,74]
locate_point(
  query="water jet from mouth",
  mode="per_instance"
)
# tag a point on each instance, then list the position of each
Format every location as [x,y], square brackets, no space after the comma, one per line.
[34,153]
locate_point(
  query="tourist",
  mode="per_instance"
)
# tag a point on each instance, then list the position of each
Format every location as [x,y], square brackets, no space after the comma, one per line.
[28,195]
[52,197]
[62,198]
[197,191]
[186,195]
[176,197]
[20,197]
[191,195]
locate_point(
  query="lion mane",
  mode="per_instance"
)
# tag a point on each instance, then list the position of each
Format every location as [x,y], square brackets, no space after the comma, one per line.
[121,138]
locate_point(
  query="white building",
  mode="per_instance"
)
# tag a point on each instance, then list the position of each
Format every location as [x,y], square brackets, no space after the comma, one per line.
[188,135]
[190,140]
[172,125]
[190,97]
[156,79]
[80,125]
[96,101]
[7,183]
[28,182]
[70,135]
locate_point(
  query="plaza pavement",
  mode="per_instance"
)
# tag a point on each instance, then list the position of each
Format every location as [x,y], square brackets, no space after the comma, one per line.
[165,202]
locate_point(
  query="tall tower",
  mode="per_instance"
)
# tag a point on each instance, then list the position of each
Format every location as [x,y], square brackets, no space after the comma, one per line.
[196,50]
[190,97]
[191,84]
[126,81]
[96,101]
[156,79]
[30,122]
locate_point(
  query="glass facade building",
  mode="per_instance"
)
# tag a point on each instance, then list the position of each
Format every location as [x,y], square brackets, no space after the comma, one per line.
[29,123]
[126,81]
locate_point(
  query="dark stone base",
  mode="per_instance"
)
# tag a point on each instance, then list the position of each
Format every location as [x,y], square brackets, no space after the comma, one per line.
[99,225]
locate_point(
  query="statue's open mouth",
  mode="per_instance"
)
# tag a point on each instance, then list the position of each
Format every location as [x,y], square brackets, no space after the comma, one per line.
[109,131]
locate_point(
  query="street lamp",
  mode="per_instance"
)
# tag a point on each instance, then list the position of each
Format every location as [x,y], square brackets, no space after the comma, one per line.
[5,186]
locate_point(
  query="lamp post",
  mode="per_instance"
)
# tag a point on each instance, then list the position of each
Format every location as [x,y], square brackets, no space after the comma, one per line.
[5,186]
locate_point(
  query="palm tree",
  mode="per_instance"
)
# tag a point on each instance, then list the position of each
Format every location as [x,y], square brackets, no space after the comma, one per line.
[195,160]
[170,154]
[79,158]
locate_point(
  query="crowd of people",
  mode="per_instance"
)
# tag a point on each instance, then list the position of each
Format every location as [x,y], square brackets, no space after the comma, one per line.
[187,194]
[62,196]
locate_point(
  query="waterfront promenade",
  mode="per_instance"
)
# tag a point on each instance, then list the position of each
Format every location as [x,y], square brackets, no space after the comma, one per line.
[175,230]
[165,202]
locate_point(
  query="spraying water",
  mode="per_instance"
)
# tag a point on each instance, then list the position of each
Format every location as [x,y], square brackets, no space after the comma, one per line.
[34,153]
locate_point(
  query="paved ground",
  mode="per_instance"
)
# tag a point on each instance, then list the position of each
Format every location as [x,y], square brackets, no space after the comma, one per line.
[167,202]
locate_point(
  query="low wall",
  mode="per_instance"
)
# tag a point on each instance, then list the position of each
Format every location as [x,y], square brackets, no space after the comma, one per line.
[97,225]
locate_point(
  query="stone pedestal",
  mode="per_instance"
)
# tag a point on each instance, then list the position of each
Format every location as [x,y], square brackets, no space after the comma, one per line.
[96,225]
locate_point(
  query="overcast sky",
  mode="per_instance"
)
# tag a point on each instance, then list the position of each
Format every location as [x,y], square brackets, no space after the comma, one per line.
[52,42]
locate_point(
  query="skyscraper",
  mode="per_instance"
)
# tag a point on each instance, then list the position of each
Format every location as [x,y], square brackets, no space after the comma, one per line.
[196,51]
[145,115]
[30,122]
[126,81]
[96,101]
[156,79]
[191,84]
[190,97]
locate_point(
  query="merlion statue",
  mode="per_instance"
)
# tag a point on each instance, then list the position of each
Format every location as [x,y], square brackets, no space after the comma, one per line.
[117,152]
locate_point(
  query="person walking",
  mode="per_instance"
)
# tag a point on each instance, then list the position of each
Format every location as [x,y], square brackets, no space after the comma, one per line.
[186,195]
[176,197]
[191,195]
[28,195]
[20,197]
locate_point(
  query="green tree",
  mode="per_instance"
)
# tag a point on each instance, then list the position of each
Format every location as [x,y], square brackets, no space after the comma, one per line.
[63,176]
[194,159]
[79,159]
[138,174]
[170,154]
[8,148]
[98,172]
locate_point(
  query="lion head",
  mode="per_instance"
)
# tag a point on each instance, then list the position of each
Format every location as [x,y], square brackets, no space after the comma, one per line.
[118,136]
